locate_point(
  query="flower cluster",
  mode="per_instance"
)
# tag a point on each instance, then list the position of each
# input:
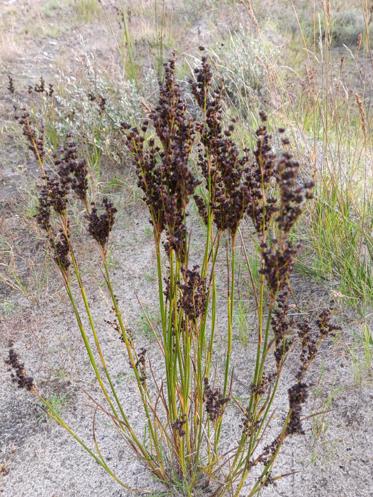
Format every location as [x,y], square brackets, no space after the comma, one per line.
[69,174]
[298,395]
[324,323]
[72,170]
[249,424]
[42,88]
[11,88]
[277,196]
[277,264]
[214,401]
[264,384]
[270,450]
[61,246]
[35,137]
[261,179]
[309,346]
[140,365]
[202,82]
[282,325]
[292,192]
[100,225]
[53,195]
[224,169]
[310,343]
[19,374]
[162,168]
[178,425]
[193,294]
[44,208]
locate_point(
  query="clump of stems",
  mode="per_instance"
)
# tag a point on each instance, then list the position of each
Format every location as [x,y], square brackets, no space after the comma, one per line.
[185,411]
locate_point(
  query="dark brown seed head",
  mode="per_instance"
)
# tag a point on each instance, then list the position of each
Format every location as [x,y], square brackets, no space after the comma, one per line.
[61,247]
[18,374]
[214,401]
[193,293]
[163,163]
[100,225]
[298,395]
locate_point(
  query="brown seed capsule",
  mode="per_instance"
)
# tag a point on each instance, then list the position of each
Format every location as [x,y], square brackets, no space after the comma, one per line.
[19,374]
[163,171]
[298,395]
[193,293]
[101,225]
[214,401]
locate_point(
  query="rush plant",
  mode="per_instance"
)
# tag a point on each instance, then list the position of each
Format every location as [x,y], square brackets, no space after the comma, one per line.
[186,410]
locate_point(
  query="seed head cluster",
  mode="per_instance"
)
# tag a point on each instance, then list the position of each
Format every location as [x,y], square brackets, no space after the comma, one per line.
[72,171]
[162,162]
[224,169]
[44,208]
[201,84]
[140,365]
[249,424]
[262,180]
[19,374]
[311,338]
[282,325]
[276,197]
[61,248]
[11,88]
[41,87]
[69,174]
[269,450]
[34,136]
[298,395]
[53,197]
[193,294]
[178,425]
[277,264]
[100,225]
[324,322]
[214,401]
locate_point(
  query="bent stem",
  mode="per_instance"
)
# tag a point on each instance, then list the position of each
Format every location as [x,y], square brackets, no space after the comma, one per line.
[79,279]
[97,457]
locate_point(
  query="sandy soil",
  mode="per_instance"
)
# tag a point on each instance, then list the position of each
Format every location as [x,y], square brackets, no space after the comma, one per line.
[40,460]
[37,458]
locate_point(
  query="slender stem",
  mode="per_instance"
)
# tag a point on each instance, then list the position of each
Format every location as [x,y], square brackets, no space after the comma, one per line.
[160,282]
[208,359]
[77,273]
[88,346]
[100,461]
[230,316]
[230,309]
[130,352]
[95,335]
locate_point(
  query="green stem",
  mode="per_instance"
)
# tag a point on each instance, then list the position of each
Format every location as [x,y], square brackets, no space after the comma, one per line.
[88,348]
[230,316]
[230,308]
[129,348]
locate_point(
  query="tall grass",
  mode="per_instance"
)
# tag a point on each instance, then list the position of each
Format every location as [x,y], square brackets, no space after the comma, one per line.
[324,98]
[187,410]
